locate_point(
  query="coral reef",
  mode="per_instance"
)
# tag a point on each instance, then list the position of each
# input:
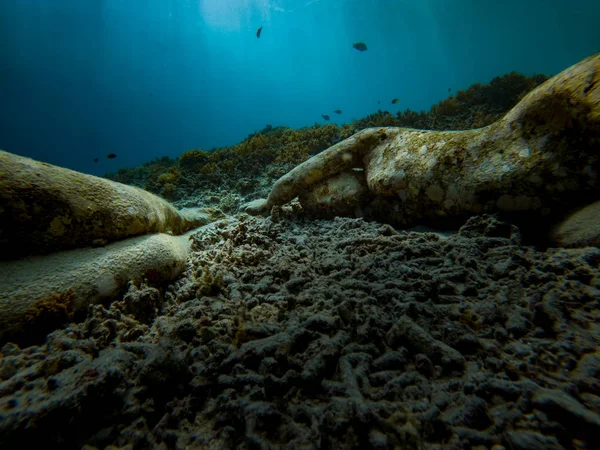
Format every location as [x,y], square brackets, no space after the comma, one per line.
[475,107]
[169,191]
[271,152]
[191,160]
[171,176]
[146,176]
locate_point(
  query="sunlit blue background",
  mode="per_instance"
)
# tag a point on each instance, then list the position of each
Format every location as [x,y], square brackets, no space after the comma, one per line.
[147,78]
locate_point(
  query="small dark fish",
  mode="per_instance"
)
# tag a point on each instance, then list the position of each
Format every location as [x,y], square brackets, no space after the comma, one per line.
[395,101]
[258,32]
[449,89]
[360,46]
[325,116]
[378,102]
[337,111]
[95,160]
[111,156]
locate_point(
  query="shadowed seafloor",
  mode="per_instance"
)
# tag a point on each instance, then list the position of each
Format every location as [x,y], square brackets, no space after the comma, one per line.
[286,333]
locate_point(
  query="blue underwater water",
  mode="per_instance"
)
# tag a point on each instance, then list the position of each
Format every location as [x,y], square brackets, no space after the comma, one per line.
[144,79]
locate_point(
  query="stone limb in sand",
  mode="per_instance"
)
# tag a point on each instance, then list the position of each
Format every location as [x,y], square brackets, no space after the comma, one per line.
[580,229]
[57,233]
[45,208]
[40,293]
[542,158]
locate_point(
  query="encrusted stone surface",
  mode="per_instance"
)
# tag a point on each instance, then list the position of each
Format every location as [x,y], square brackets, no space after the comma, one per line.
[45,208]
[541,159]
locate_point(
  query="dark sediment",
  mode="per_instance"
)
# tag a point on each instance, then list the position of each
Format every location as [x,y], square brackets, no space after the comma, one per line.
[327,334]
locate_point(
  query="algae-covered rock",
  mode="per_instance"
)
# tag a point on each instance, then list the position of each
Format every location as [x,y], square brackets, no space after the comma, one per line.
[540,159]
[45,208]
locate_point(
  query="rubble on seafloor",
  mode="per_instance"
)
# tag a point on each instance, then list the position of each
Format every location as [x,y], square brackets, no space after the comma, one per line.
[288,333]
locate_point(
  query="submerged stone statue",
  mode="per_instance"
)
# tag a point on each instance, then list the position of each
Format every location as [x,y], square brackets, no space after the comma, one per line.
[68,239]
[46,208]
[541,159]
